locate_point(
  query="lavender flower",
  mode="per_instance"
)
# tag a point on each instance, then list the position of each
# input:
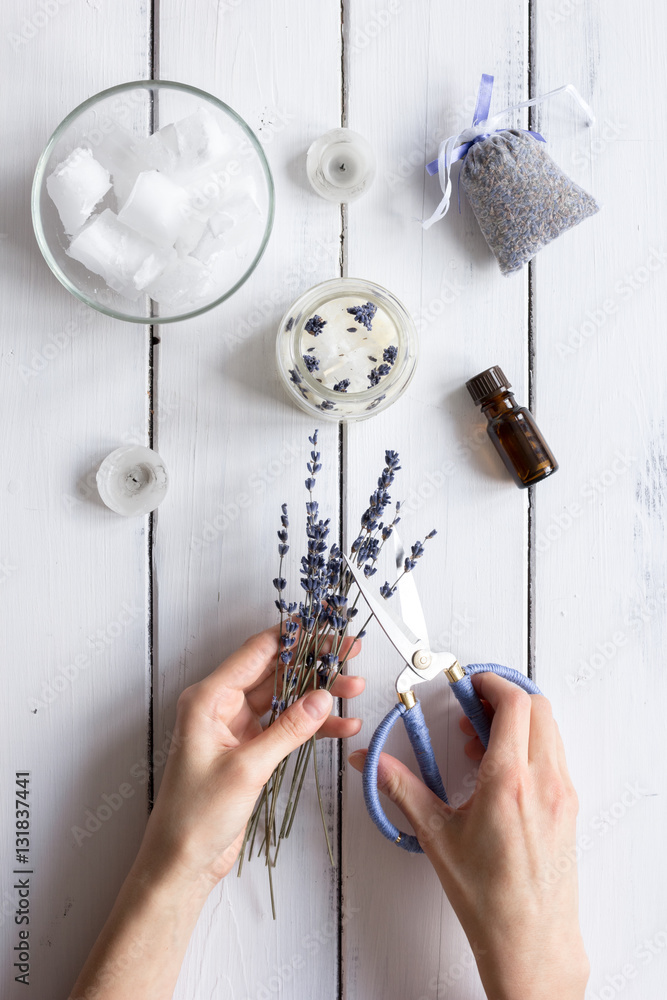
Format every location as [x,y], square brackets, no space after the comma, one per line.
[315,325]
[290,323]
[375,374]
[327,666]
[311,362]
[284,607]
[389,354]
[364,314]
[294,376]
[342,385]
[327,607]
[351,329]
[387,590]
[416,552]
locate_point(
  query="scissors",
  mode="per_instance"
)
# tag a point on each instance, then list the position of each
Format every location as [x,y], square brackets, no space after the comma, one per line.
[410,639]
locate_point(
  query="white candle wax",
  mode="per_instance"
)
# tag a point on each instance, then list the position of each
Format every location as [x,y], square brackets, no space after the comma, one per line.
[132,480]
[344,164]
[345,349]
[340,165]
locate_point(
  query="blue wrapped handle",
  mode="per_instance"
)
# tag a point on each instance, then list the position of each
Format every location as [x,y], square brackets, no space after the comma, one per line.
[469,700]
[420,741]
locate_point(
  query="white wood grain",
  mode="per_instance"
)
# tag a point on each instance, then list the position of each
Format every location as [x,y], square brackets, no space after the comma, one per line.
[73,577]
[403,87]
[600,561]
[238,449]
[75,699]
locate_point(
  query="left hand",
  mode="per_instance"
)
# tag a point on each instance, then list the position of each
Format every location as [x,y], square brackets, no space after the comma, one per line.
[221,757]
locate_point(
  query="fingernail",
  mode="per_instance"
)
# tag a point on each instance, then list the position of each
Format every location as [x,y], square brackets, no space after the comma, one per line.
[317,704]
[356,758]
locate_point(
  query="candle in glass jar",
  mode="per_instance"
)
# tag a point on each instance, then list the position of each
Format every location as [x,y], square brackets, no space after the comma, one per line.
[346,348]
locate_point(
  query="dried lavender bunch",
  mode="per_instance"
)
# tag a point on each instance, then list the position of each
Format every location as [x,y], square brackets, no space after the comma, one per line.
[322,617]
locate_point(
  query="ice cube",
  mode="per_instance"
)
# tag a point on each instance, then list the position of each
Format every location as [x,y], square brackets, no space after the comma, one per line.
[76,186]
[157,208]
[125,259]
[241,199]
[213,238]
[124,155]
[207,161]
[191,233]
[161,150]
[201,142]
[184,284]
[241,205]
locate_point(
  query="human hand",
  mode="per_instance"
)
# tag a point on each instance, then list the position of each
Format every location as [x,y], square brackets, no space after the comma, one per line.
[497,855]
[221,758]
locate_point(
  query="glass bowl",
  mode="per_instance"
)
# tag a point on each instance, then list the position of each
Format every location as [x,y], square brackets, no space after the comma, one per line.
[228,200]
[346,349]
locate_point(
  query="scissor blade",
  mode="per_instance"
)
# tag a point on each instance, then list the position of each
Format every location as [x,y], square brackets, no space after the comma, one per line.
[411,606]
[398,634]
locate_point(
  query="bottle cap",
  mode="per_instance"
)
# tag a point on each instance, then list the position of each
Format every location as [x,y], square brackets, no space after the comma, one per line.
[487,383]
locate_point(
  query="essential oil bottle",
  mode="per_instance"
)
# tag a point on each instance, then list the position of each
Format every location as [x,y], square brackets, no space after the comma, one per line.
[512,428]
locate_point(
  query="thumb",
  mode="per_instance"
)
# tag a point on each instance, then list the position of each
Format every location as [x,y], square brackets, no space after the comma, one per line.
[292,727]
[427,814]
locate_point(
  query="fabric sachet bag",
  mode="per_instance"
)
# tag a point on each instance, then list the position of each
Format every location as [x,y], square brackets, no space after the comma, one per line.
[521,199]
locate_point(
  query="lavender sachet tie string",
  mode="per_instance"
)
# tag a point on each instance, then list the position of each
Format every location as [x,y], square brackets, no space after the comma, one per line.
[456,146]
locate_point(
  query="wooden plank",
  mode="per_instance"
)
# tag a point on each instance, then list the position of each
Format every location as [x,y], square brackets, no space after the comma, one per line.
[73,387]
[600,540]
[411,82]
[237,449]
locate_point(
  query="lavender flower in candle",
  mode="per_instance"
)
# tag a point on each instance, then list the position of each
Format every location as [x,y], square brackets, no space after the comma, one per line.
[342,386]
[389,354]
[315,325]
[364,314]
[311,362]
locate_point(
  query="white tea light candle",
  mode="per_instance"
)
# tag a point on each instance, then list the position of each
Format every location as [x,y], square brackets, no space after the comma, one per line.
[340,165]
[132,480]
[346,349]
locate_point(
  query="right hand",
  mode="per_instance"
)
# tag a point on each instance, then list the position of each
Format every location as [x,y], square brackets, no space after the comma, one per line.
[499,856]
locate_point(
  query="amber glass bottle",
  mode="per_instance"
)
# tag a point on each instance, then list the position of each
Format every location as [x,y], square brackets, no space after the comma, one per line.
[512,429]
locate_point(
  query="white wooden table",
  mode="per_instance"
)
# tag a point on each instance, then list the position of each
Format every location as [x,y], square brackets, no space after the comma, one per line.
[106,619]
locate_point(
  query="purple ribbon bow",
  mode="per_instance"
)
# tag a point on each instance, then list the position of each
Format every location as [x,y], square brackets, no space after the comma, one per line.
[481,114]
